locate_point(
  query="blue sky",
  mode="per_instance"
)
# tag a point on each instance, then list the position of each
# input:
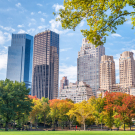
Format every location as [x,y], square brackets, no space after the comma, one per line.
[34,16]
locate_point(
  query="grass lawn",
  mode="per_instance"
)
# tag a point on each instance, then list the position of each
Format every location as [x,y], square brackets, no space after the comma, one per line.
[67,133]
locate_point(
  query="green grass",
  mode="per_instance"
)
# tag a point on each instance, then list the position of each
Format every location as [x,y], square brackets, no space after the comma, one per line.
[67,133]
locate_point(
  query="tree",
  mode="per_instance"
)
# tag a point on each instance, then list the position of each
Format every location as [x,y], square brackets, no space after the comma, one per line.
[36,110]
[96,13]
[23,103]
[63,108]
[126,110]
[98,104]
[109,109]
[45,108]
[7,100]
[54,113]
[117,121]
[14,101]
[81,111]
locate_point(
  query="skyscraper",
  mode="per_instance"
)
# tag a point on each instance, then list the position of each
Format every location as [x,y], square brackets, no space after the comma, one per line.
[88,64]
[127,69]
[107,73]
[20,56]
[45,65]
[63,82]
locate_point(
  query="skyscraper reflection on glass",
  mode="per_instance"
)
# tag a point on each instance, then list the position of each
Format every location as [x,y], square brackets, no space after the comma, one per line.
[20,57]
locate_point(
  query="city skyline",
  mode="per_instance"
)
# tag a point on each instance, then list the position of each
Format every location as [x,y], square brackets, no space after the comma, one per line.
[19,17]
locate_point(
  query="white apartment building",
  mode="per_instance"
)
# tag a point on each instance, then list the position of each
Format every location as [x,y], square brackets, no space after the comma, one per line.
[127,69]
[76,93]
[88,64]
[107,73]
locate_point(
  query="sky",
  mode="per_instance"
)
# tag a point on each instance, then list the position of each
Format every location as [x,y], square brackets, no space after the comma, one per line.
[34,16]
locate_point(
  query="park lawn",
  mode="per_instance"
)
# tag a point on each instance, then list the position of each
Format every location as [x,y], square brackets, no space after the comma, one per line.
[67,133]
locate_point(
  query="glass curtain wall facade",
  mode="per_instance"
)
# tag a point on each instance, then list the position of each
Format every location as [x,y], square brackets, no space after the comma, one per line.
[46,65]
[88,64]
[20,57]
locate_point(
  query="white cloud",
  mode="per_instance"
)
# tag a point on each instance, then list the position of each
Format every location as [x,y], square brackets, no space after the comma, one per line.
[117,77]
[39,12]
[20,26]
[116,35]
[39,4]
[33,20]
[133,52]
[44,14]
[70,34]
[8,36]
[57,7]
[30,30]
[69,71]
[42,19]
[32,13]
[3,61]
[21,31]
[18,5]
[65,49]
[116,59]
[42,27]
[29,24]
[2,38]
[7,28]
[82,23]
[54,24]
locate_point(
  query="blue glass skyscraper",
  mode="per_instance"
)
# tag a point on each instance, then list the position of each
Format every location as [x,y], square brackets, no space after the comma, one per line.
[20,57]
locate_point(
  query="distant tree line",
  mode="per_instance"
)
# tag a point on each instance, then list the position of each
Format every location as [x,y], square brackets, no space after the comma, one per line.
[18,108]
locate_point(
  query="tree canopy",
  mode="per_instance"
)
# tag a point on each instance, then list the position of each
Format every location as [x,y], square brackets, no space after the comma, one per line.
[96,13]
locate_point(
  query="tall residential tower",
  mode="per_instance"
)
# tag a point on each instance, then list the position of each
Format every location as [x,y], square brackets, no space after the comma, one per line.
[45,65]
[20,55]
[107,73]
[127,69]
[88,64]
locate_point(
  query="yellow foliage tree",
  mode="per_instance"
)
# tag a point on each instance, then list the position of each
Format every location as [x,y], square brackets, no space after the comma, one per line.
[82,111]
[36,110]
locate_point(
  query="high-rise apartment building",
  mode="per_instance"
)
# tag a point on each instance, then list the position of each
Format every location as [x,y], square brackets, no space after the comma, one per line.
[45,65]
[20,56]
[127,69]
[107,73]
[88,64]
[63,82]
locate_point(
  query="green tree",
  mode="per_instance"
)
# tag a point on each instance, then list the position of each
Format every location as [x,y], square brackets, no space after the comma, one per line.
[117,121]
[98,104]
[96,14]
[23,102]
[14,101]
[6,98]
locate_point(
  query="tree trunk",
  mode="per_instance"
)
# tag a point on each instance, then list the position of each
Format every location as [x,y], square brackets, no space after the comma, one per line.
[130,127]
[124,126]
[84,126]
[14,124]
[36,122]
[6,128]
[101,126]
[44,120]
